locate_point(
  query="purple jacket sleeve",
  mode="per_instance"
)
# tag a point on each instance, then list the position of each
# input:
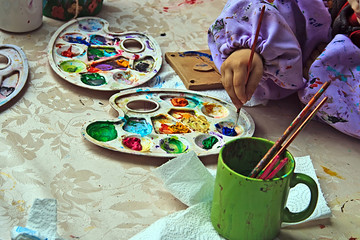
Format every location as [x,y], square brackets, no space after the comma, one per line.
[288,34]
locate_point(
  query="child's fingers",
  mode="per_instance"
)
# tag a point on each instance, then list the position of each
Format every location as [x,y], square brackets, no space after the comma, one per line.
[239,77]
[227,81]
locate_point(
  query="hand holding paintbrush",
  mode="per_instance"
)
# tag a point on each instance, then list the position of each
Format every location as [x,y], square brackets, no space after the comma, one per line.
[245,94]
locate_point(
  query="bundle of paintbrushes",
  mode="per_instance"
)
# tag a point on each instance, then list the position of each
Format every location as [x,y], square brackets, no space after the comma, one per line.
[271,164]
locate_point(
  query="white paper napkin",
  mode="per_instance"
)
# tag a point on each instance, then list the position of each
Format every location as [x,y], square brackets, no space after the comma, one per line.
[192,183]
[41,224]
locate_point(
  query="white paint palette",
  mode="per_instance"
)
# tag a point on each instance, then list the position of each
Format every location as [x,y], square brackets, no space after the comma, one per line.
[85,53]
[14,70]
[168,122]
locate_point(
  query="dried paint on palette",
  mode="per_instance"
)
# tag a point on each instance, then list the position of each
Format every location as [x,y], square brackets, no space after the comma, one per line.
[163,123]
[121,60]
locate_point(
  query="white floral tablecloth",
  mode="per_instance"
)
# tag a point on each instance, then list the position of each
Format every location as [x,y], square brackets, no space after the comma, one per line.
[102,194]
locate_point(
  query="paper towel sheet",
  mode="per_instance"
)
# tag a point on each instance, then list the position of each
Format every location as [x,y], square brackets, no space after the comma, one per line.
[193,184]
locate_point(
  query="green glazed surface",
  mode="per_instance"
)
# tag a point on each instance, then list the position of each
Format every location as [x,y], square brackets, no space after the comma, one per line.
[249,208]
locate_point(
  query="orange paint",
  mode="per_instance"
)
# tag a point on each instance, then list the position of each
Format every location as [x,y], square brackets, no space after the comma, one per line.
[179,102]
[331,173]
[123,63]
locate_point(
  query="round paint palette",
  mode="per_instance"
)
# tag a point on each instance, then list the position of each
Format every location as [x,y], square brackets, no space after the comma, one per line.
[84,52]
[14,70]
[166,122]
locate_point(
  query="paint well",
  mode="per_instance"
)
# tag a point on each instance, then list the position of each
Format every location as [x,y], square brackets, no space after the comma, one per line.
[93,79]
[102,131]
[73,66]
[173,145]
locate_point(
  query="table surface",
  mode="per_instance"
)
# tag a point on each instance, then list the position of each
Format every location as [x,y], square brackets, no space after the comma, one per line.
[103,194]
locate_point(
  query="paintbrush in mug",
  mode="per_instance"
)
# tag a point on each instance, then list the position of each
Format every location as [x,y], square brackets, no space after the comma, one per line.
[277,169]
[293,136]
[287,132]
[252,54]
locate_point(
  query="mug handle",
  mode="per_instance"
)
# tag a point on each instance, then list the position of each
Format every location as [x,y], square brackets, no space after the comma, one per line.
[291,217]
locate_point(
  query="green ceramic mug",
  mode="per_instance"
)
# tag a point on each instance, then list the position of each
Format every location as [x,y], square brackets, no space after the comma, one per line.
[249,208]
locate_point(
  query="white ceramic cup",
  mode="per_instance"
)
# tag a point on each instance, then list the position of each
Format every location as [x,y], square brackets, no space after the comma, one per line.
[20,15]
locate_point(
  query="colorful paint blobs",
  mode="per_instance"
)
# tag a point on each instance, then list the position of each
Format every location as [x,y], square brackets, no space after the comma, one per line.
[93,79]
[102,131]
[69,52]
[165,125]
[188,118]
[101,40]
[179,102]
[73,66]
[214,110]
[127,77]
[97,53]
[90,25]
[209,142]
[226,130]
[173,145]
[133,143]
[138,126]
[144,65]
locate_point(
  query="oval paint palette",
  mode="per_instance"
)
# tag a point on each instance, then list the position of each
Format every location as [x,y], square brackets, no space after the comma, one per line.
[84,52]
[14,70]
[166,122]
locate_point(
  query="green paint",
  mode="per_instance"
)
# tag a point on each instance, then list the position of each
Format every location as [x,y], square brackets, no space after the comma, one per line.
[93,79]
[173,145]
[209,142]
[73,66]
[97,53]
[102,131]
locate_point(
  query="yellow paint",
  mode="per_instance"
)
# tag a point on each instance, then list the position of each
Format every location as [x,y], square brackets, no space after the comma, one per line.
[331,173]
[8,176]
[89,228]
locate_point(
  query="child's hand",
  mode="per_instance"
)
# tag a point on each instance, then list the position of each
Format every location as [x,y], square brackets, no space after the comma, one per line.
[356,7]
[233,76]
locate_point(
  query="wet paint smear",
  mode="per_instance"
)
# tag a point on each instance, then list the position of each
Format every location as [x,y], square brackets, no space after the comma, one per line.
[331,173]
[138,126]
[102,131]
[172,145]
[93,79]
[73,66]
[196,53]
[173,129]
[68,53]
[209,142]
[133,143]
[97,53]
[179,102]
[226,130]
[142,67]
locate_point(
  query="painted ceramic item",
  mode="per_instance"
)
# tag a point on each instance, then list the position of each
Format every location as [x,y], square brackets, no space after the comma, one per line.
[167,122]
[14,70]
[84,52]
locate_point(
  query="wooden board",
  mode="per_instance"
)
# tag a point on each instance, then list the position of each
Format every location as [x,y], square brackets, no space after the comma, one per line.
[195,68]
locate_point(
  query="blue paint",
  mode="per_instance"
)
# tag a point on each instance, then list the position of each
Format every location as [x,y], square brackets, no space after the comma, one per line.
[341,76]
[200,54]
[138,126]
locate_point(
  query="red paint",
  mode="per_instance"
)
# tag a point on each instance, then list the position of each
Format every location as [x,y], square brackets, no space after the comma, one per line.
[92,69]
[133,143]
[68,53]
[321,226]
[288,67]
